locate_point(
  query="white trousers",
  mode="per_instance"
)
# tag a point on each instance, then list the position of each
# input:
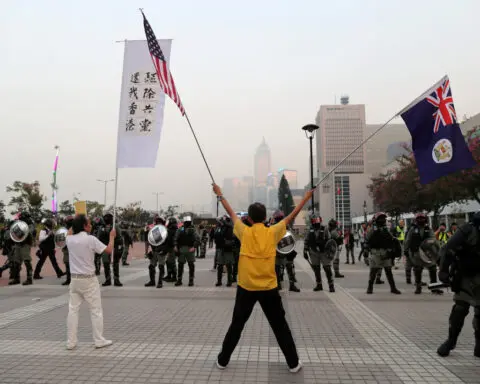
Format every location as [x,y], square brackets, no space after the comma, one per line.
[89,290]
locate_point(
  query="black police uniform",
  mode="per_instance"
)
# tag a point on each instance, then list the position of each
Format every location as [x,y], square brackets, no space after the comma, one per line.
[460,267]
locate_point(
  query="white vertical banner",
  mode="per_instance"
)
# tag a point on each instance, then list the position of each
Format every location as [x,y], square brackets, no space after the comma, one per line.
[142,104]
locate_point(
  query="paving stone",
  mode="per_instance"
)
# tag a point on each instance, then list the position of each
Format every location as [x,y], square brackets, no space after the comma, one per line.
[173,334]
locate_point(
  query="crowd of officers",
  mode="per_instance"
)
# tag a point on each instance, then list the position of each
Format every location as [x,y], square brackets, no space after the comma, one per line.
[381,246]
[183,245]
[458,263]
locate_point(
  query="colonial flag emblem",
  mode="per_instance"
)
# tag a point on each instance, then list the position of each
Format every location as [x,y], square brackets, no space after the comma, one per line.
[437,141]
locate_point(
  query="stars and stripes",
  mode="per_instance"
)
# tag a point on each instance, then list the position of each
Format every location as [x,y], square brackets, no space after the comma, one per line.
[165,78]
[442,99]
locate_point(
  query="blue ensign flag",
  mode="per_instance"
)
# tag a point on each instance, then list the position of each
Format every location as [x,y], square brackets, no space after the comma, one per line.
[437,141]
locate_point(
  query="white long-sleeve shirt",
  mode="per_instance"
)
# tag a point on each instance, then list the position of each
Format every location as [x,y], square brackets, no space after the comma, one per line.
[43,235]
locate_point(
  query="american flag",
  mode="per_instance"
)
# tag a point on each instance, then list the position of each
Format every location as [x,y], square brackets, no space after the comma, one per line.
[164,76]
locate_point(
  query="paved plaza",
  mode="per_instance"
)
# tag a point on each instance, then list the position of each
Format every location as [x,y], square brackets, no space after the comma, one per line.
[173,335]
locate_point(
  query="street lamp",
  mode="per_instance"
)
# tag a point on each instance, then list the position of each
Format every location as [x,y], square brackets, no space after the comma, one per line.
[105,190]
[158,193]
[310,134]
[365,211]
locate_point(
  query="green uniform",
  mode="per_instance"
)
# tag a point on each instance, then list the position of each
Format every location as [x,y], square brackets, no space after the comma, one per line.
[104,236]
[460,266]
[415,236]
[380,243]
[156,257]
[21,255]
[314,249]
[335,235]
[186,239]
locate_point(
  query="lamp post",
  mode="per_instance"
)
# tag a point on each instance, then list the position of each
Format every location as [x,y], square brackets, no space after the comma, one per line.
[365,211]
[310,130]
[158,193]
[105,190]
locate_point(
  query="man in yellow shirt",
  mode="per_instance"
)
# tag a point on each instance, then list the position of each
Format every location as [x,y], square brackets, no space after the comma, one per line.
[257,280]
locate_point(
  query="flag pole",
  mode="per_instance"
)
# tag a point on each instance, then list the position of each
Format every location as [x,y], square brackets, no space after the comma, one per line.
[353,151]
[118,136]
[199,148]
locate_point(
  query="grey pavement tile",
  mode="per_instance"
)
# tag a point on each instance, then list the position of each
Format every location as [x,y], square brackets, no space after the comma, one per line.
[173,335]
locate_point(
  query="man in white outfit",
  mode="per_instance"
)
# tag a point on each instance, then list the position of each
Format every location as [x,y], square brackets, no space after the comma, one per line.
[84,284]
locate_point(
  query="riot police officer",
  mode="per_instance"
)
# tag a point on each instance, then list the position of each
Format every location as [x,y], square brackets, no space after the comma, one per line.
[218,239]
[22,253]
[460,268]
[417,234]
[103,236]
[381,243]
[66,255]
[316,247]
[157,256]
[225,257]
[97,225]
[283,261]
[186,239]
[171,262]
[47,249]
[335,235]
[7,248]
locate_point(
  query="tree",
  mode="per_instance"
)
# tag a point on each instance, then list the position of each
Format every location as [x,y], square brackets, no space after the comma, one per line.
[66,208]
[468,180]
[2,211]
[285,198]
[172,210]
[400,191]
[27,197]
[94,208]
[131,213]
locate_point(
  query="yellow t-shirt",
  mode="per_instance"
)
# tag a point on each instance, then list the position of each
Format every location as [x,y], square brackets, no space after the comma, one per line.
[256,265]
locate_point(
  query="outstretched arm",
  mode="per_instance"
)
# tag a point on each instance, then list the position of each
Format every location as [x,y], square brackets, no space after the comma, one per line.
[226,205]
[298,208]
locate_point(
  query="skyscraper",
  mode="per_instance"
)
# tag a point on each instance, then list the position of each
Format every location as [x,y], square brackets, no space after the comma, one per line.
[341,129]
[262,167]
[262,164]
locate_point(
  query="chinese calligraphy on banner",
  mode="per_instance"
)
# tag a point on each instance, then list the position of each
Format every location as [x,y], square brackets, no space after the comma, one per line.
[141,107]
[143,98]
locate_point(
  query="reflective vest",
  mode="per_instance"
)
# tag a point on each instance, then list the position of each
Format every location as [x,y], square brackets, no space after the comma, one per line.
[400,233]
[442,236]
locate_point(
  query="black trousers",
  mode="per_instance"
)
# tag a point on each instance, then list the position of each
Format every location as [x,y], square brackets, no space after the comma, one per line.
[50,253]
[272,306]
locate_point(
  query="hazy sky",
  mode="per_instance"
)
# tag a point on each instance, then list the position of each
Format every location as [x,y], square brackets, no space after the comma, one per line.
[244,70]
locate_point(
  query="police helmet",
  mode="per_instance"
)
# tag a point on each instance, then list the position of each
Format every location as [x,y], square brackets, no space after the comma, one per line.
[172,221]
[108,218]
[315,219]
[420,218]
[49,223]
[380,218]
[68,221]
[277,216]
[25,217]
[159,220]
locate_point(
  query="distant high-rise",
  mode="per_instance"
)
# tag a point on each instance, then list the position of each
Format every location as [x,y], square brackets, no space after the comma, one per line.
[262,168]
[341,130]
[262,164]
